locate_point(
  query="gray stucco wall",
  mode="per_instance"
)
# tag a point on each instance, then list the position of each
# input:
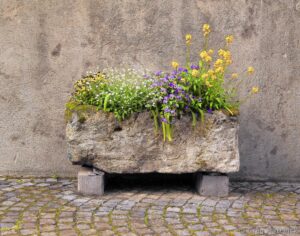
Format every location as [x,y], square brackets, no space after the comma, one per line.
[46,45]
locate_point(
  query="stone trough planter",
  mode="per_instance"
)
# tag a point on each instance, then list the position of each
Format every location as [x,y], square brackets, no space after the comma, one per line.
[131,146]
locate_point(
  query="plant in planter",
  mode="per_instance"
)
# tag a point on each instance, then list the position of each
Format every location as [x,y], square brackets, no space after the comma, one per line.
[111,114]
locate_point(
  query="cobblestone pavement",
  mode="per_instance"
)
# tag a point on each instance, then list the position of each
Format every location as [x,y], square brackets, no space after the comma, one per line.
[130,206]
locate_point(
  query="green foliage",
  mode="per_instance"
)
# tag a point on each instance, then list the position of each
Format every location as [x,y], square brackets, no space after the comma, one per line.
[122,92]
[194,90]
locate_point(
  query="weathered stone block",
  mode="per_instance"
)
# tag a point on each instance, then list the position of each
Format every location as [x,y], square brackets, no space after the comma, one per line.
[132,146]
[212,185]
[90,182]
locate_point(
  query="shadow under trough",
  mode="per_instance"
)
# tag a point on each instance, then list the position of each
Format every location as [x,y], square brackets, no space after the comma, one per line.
[149,182]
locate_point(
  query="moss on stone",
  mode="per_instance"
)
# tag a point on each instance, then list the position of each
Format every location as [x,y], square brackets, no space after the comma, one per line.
[83,111]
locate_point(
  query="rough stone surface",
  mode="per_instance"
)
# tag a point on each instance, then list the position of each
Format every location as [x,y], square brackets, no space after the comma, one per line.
[90,182]
[212,185]
[132,146]
[46,45]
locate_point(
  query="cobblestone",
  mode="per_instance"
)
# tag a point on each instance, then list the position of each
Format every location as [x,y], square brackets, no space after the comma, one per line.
[49,207]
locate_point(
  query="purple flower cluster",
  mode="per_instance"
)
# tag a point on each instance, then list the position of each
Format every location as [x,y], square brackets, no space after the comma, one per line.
[195,67]
[171,93]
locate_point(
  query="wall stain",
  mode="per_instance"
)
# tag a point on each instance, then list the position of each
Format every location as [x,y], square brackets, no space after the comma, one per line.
[3,98]
[4,75]
[249,28]
[41,129]
[14,138]
[56,50]
[248,31]
[274,150]
[42,66]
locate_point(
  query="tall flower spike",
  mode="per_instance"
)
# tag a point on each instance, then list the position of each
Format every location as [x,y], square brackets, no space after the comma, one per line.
[254,90]
[188,38]
[175,64]
[229,39]
[206,29]
[234,76]
[250,70]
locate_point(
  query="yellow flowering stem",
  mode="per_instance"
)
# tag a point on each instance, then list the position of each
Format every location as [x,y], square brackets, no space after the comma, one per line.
[250,70]
[205,46]
[206,30]
[188,55]
[175,64]
[253,91]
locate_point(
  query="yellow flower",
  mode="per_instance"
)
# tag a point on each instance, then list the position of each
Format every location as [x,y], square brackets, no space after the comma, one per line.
[221,52]
[234,76]
[210,72]
[208,84]
[229,39]
[206,29]
[228,62]
[205,56]
[188,38]
[255,90]
[250,70]
[210,51]
[227,55]
[205,76]
[218,63]
[175,64]
[220,69]
[195,73]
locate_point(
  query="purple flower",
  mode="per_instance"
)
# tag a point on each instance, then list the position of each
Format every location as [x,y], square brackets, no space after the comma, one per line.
[165,80]
[165,100]
[194,67]
[174,72]
[172,85]
[167,110]
[179,98]
[156,84]
[210,111]
[199,99]
[163,119]
[180,69]
[158,73]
